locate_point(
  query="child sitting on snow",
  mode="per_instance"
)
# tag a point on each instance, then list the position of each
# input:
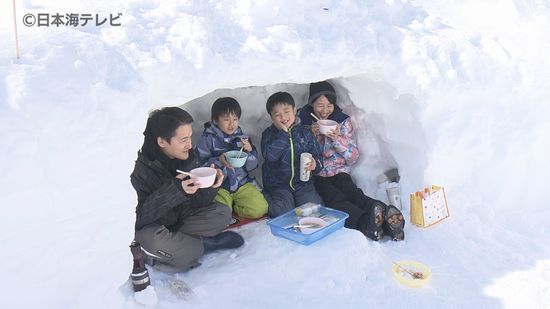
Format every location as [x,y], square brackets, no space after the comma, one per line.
[223,134]
[333,182]
[282,144]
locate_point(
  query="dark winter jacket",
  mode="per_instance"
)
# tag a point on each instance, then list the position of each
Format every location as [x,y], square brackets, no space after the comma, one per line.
[160,194]
[213,143]
[281,151]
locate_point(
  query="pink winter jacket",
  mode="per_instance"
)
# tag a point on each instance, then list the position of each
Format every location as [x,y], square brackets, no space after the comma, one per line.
[340,154]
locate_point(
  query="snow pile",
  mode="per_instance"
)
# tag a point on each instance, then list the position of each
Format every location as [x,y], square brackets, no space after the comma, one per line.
[446,92]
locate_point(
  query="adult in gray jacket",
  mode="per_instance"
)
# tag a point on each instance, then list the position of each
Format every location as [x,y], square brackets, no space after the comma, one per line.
[176,221]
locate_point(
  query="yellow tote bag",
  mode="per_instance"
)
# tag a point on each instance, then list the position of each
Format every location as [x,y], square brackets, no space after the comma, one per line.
[428,206]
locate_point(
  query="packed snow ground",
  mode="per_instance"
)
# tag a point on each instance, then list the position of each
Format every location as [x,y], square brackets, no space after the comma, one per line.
[452,94]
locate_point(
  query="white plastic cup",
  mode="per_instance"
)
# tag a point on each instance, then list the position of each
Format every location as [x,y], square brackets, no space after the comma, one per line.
[394,195]
[305,158]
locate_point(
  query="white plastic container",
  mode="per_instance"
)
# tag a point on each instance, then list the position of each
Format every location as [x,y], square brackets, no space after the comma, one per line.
[394,194]
[305,158]
[307,209]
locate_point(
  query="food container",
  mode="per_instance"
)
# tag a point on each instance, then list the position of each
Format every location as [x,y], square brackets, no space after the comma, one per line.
[205,176]
[234,159]
[284,225]
[310,225]
[326,125]
[405,272]
[307,209]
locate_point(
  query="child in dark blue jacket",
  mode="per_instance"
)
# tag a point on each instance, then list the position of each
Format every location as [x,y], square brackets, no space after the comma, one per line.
[282,144]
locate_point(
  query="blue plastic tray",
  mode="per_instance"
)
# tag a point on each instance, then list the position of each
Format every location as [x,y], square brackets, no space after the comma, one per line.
[282,226]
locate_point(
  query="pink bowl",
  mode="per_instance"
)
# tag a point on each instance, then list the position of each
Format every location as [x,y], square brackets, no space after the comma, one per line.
[317,224]
[205,176]
[326,126]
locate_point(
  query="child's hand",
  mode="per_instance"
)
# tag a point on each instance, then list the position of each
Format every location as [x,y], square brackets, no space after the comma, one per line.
[315,127]
[219,177]
[333,135]
[246,145]
[310,166]
[281,126]
[223,160]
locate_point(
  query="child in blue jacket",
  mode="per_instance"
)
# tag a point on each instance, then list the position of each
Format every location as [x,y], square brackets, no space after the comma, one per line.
[282,144]
[222,134]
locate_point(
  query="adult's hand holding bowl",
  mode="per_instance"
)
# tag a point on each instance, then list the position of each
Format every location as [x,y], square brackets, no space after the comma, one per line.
[205,176]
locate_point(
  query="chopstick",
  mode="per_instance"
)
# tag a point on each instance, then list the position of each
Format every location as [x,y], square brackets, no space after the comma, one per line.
[304,225]
[313,115]
[185,173]
[414,276]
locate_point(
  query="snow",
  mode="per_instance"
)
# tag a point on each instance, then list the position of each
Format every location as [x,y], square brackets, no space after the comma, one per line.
[453,93]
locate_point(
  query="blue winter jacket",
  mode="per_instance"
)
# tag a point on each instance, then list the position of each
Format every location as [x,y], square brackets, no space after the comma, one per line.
[281,151]
[213,143]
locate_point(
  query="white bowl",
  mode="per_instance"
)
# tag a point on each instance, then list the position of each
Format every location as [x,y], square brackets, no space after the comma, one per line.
[320,223]
[326,125]
[205,176]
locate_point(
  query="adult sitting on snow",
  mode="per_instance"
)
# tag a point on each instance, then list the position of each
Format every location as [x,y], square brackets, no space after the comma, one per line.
[333,182]
[176,222]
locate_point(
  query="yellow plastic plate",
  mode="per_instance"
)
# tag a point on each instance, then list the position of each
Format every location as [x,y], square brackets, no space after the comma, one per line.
[407,279]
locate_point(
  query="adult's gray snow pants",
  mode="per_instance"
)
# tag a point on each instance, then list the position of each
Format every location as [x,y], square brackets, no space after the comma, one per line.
[179,250]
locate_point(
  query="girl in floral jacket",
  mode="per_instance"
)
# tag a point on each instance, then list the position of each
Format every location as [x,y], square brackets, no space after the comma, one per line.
[340,152]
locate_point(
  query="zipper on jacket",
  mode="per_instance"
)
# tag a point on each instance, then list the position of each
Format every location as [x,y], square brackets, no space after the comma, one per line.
[291,158]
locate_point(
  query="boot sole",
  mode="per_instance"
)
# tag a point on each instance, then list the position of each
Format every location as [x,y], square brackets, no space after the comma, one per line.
[395,223]
[374,228]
